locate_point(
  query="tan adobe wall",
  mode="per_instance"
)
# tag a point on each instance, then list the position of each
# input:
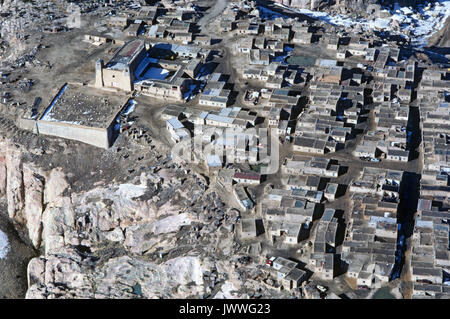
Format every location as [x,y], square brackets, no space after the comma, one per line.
[116,79]
[99,137]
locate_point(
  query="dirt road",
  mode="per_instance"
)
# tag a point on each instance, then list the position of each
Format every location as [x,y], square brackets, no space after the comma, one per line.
[213,12]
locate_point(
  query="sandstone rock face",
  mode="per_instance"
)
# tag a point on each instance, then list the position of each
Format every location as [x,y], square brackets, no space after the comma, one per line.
[2,175]
[14,185]
[33,206]
[151,237]
[57,223]
[55,185]
[75,266]
[28,189]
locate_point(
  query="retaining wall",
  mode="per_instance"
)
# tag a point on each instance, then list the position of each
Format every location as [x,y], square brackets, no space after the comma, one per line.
[99,137]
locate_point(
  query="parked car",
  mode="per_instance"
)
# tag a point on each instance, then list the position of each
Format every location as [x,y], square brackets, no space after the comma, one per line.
[270,261]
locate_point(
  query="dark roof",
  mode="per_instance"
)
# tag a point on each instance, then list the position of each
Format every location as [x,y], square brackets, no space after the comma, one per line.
[244,175]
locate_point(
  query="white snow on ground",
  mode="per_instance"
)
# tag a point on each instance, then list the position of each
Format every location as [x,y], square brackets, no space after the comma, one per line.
[171,223]
[130,108]
[4,245]
[51,119]
[155,74]
[50,107]
[151,73]
[130,191]
[423,20]
[190,93]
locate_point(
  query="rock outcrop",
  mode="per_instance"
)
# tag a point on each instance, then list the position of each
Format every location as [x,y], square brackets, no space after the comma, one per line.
[349,5]
[154,236]
[29,190]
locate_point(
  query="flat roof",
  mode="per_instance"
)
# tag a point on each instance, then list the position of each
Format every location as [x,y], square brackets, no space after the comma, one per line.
[176,124]
[81,105]
[126,54]
[213,161]
[295,274]
[285,262]
[244,175]
[219,118]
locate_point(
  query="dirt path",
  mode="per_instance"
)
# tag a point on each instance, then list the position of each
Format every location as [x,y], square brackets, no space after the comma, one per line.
[441,38]
[213,13]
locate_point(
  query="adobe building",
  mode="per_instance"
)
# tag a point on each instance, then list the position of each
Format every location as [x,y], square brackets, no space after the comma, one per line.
[119,71]
[83,114]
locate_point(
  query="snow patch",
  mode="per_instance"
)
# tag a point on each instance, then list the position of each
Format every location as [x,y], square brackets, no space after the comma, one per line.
[406,10]
[422,21]
[190,93]
[155,74]
[51,119]
[4,245]
[145,72]
[130,107]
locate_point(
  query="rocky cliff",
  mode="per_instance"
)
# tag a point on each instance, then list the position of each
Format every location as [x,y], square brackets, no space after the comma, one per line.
[441,38]
[155,236]
[351,5]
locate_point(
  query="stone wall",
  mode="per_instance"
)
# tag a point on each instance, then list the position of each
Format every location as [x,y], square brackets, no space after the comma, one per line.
[90,135]
[27,124]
